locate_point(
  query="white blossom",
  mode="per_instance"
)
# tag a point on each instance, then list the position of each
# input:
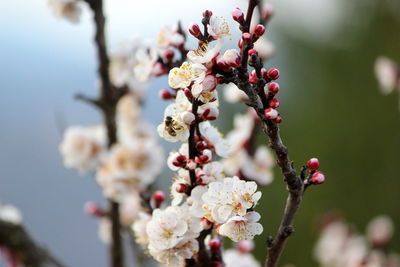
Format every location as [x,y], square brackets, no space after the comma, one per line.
[243,125]
[259,167]
[187,73]
[387,73]
[10,214]
[264,47]
[129,206]
[139,228]
[83,147]
[242,227]
[380,230]
[68,9]
[104,230]
[130,168]
[145,58]
[215,139]
[169,37]
[211,172]
[218,27]
[175,257]
[233,94]
[233,258]
[204,54]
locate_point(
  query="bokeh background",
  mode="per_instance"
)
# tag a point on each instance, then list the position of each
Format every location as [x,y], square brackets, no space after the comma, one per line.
[331,106]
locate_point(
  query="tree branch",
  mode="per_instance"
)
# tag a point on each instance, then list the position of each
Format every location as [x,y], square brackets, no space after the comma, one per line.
[16,238]
[108,99]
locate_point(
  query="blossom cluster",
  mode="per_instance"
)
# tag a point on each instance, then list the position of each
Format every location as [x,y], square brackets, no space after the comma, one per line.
[340,245]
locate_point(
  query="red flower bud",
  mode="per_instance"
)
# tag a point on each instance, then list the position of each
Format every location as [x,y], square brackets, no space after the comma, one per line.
[313,164]
[317,178]
[259,30]
[277,119]
[215,245]
[274,103]
[252,52]
[158,197]
[247,37]
[273,88]
[273,73]
[253,77]
[182,188]
[207,12]
[94,209]
[238,15]
[194,30]
[165,94]
[169,54]
[240,43]
[271,113]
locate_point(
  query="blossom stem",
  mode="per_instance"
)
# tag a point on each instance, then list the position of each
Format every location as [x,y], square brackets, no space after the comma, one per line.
[107,103]
[192,144]
[15,238]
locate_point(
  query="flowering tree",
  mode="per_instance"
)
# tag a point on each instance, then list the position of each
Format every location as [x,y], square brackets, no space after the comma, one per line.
[214,191]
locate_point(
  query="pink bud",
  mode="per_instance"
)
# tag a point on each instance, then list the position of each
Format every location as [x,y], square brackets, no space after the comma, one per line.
[277,119]
[273,73]
[247,37]
[222,64]
[158,197]
[182,188]
[210,82]
[207,12]
[187,117]
[273,88]
[194,30]
[264,74]
[181,158]
[240,43]
[259,30]
[253,77]
[232,57]
[215,245]
[205,223]
[252,52]
[245,246]
[165,94]
[238,15]
[271,113]
[274,103]
[317,178]
[169,54]
[313,164]
[201,145]
[94,209]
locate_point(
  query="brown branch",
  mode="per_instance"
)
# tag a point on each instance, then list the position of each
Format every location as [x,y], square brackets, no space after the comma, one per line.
[107,102]
[17,239]
[259,102]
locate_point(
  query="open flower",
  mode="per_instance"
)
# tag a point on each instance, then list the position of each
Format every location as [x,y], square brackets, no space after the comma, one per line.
[204,54]
[215,139]
[186,74]
[242,228]
[83,147]
[169,37]
[218,27]
[234,258]
[139,228]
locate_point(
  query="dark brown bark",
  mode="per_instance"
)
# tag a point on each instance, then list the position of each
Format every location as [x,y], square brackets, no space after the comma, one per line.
[17,239]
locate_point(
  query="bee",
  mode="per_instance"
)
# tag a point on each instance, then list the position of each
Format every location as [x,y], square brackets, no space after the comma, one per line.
[169,125]
[201,49]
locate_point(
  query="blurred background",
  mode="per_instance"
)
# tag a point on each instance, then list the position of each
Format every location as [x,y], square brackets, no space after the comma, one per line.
[331,106]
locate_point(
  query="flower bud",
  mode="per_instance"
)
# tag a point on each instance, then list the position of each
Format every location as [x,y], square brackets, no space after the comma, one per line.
[181,158]
[188,93]
[252,52]
[277,119]
[245,246]
[191,164]
[240,43]
[165,94]
[274,103]
[317,178]
[271,113]
[187,117]
[238,15]
[201,145]
[194,30]
[313,164]
[264,74]
[207,13]
[273,88]
[158,197]
[169,54]
[222,64]
[247,37]
[253,77]
[182,188]
[210,114]
[273,73]
[380,231]
[215,245]
[94,209]
[259,30]
[210,82]
[232,57]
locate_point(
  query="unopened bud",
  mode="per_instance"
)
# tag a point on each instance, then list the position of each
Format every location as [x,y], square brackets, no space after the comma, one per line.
[165,94]
[182,188]
[259,30]
[253,79]
[273,73]
[238,15]
[313,164]
[273,88]
[94,209]
[277,120]
[232,57]
[187,117]
[274,103]
[252,52]
[191,164]
[317,178]
[207,13]
[158,197]
[215,245]
[247,37]
[194,30]
[271,113]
